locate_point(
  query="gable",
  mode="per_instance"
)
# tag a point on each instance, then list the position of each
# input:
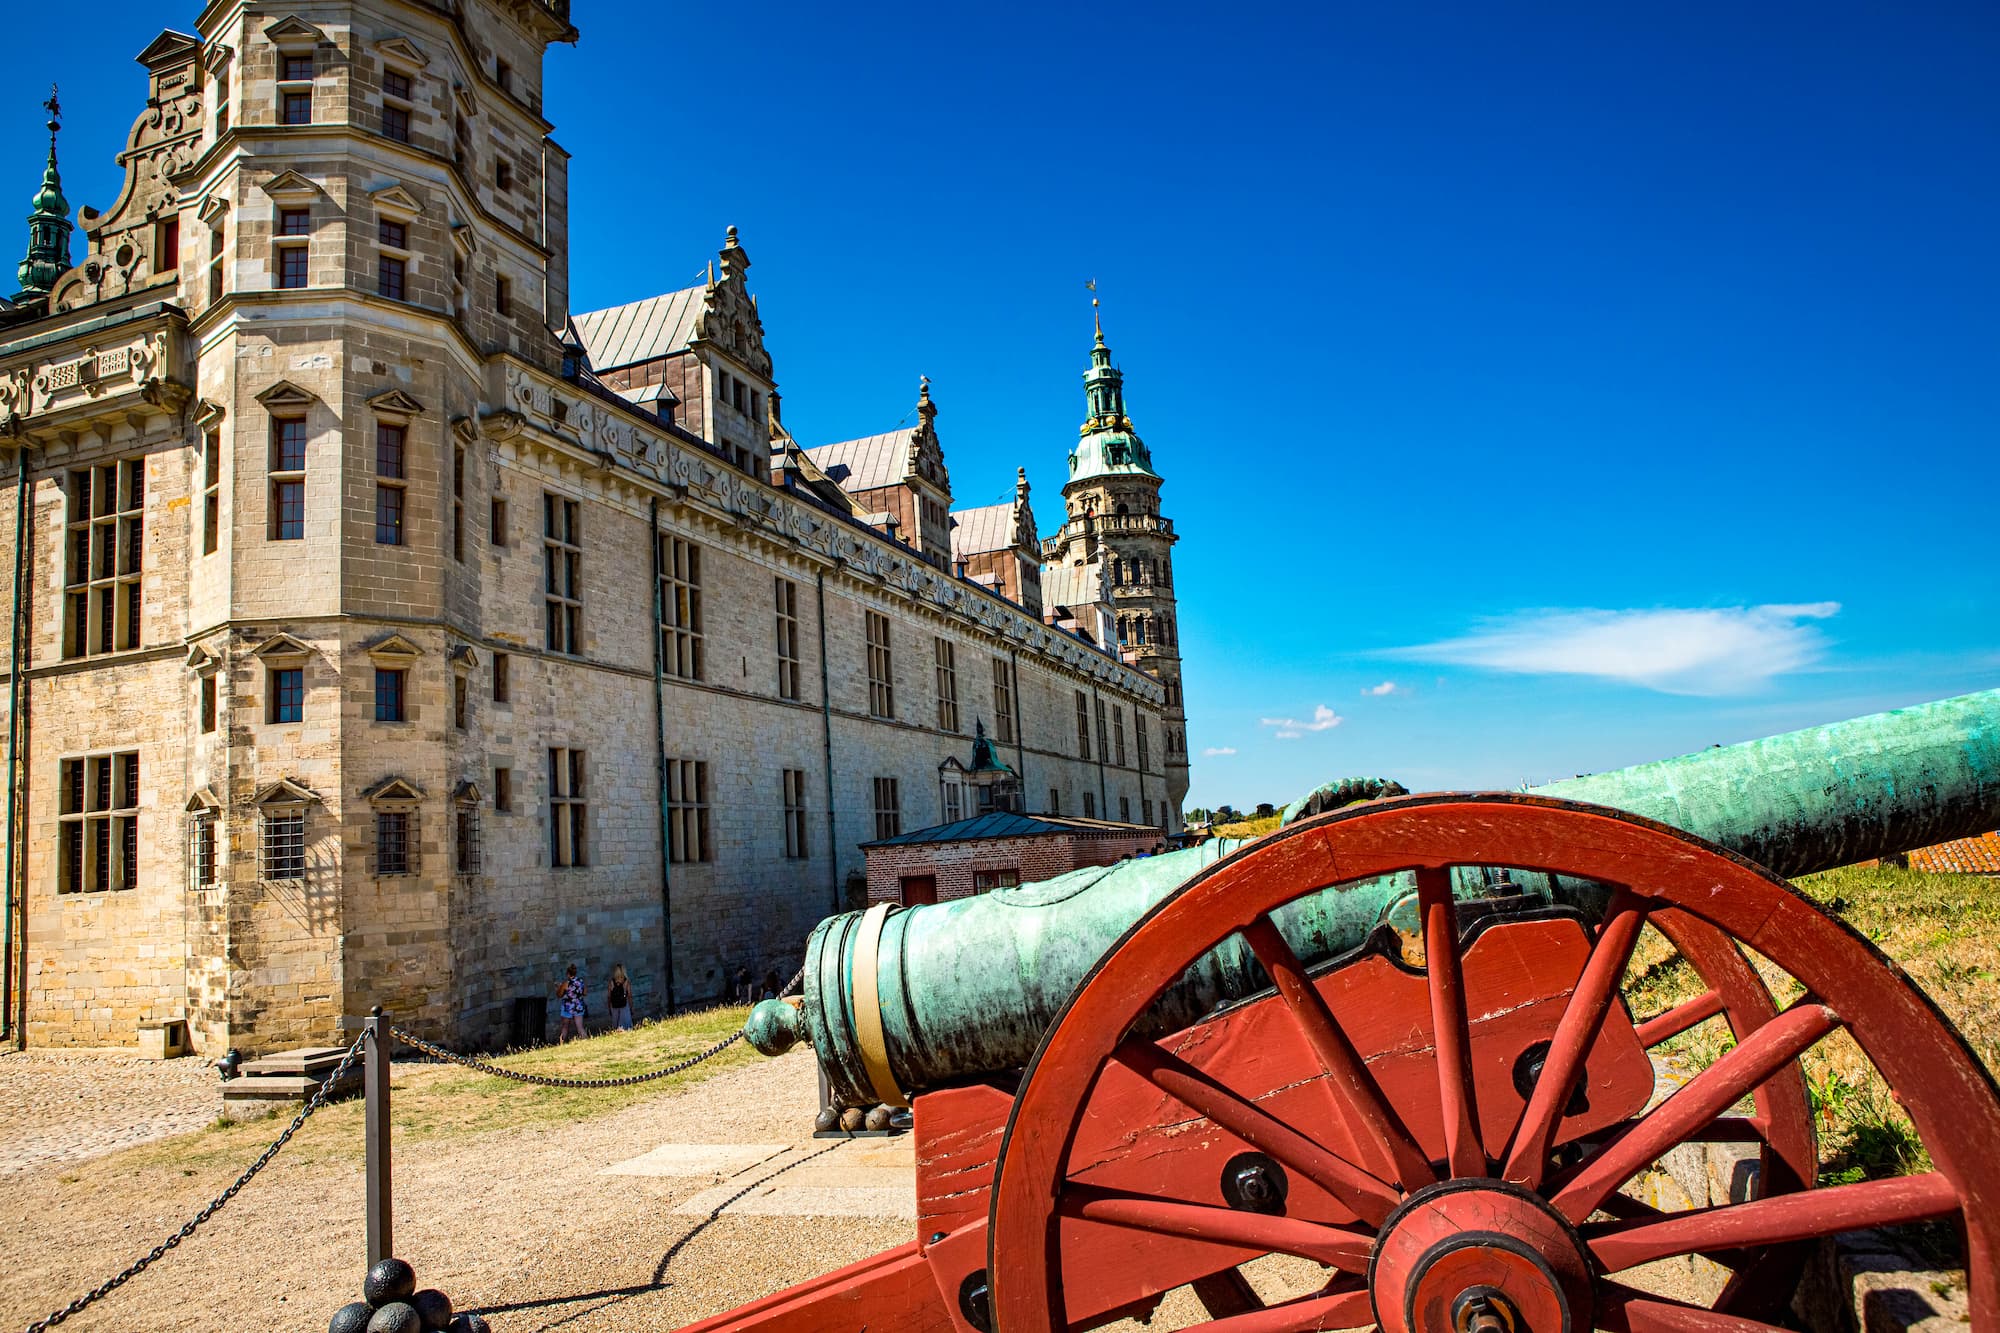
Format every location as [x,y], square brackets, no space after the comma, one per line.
[396,197]
[293,31]
[286,394]
[392,789]
[396,403]
[289,187]
[285,792]
[405,50]
[282,646]
[170,48]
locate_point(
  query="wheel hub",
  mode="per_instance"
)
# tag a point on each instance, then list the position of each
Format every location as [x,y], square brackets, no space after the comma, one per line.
[1479,1256]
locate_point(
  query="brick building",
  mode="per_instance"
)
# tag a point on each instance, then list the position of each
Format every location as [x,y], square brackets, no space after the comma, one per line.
[389,634]
[994,851]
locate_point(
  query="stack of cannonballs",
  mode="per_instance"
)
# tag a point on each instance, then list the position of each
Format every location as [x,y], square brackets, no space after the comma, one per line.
[394,1305]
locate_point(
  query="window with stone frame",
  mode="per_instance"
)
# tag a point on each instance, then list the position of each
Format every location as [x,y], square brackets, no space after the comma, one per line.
[503,789]
[503,174]
[795,814]
[288,479]
[391,480]
[391,684]
[295,93]
[687,812]
[286,688]
[1118,732]
[954,800]
[207,689]
[881,667]
[1103,735]
[221,105]
[396,99]
[217,245]
[496,522]
[201,859]
[281,842]
[1055,801]
[888,808]
[503,295]
[211,490]
[680,608]
[985,881]
[569,814]
[458,502]
[1139,734]
[947,683]
[468,856]
[292,247]
[562,581]
[99,823]
[1003,701]
[392,258]
[1090,805]
[459,691]
[396,851]
[1124,809]
[1082,725]
[788,638]
[502,684]
[1146,811]
[106,539]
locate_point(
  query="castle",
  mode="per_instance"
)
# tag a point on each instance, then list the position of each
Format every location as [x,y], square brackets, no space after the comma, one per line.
[386,633]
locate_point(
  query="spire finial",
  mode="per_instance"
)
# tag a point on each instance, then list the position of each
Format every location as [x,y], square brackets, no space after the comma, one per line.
[1096,319]
[49,226]
[926,409]
[54,107]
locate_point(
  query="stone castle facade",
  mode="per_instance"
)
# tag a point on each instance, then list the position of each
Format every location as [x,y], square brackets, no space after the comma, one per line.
[387,634]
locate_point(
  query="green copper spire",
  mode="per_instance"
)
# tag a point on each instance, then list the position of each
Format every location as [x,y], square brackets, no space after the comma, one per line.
[49,226]
[1108,443]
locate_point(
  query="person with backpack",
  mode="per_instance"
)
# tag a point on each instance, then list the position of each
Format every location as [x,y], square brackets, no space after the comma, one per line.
[619,997]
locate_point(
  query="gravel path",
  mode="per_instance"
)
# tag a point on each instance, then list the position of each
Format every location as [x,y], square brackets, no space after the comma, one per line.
[68,1106]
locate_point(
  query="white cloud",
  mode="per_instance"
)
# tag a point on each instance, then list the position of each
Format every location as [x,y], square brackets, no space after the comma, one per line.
[1290,728]
[1386,687]
[1215,750]
[1724,650]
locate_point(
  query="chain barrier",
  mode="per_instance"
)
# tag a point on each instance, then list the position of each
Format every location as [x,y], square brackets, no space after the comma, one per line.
[145,1261]
[435,1051]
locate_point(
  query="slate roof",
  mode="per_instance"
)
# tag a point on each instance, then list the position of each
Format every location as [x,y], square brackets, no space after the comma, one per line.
[1006,824]
[876,460]
[987,528]
[1966,856]
[642,331]
[1070,585]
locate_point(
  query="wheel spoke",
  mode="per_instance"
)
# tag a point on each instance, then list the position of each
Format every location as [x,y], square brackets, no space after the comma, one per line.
[1464,1152]
[1307,1314]
[1582,1017]
[1357,1100]
[1335,1247]
[1623,1310]
[1679,1018]
[1772,1221]
[1367,1197]
[1704,1097]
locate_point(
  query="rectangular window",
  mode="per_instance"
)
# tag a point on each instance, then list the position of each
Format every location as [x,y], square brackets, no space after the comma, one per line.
[985,881]
[395,105]
[1103,737]
[795,814]
[296,108]
[391,472]
[216,242]
[687,811]
[947,685]
[501,666]
[211,491]
[1146,811]
[1055,801]
[396,84]
[296,69]
[562,574]
[221,105]
[1124,809]
[568,815]
[295,222]
[201,852]
[503,74]
[389,694]
[292,265]
[287,701]
[395,235]
[99,824]
[208,702]
[466,851]
[167,244]
[1118,732]
[788,639]
[1139,733]
[105,533]
[680,608]
[459,690]
[1090,805]
[458,502]
[496,523]
[394,854]
[282,844]
[288,478]
[503,296]
[503,789]
[881,678]
[1003,701]
[390,272]
[1082,725]
[954,803]
[888,809]
[503,174]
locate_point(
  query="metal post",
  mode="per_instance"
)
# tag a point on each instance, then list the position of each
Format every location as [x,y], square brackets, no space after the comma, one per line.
[375,1120]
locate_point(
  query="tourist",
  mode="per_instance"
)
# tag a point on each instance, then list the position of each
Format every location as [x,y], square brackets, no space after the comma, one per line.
[619,997]
[771,984]
[571,994]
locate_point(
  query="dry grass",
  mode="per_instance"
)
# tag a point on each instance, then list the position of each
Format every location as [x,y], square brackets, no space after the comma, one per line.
[1944,930]
[1249,828]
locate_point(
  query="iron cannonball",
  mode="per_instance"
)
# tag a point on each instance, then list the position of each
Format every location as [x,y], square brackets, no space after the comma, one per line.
[396,1317]
[877,1118]
[827,1118]
[351,1318]
[389,1280]
[434,1308]
[471,1323]
[852,1119]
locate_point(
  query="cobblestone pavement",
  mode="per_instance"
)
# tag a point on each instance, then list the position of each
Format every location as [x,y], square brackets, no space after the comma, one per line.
[68,1106]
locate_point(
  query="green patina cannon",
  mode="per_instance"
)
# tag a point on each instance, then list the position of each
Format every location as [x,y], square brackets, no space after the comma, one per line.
[1390,1044]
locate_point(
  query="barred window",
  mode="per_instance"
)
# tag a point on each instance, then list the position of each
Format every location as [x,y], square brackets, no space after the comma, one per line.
[288,478]
[687,811]
[947,685]
[100,823]
[395,850]
[881,673]
[888,808]
[1082,725]
[788,639]
[680,608]
[389,689]
[1003,701]
[106,532]
[562,582]
[282,844]
[201,851]
[466,854]
[286,687]
[391,472]
[568,814]
[795,814]
[1118,731]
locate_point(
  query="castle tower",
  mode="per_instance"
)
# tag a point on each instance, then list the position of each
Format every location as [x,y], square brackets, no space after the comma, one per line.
[1113,522]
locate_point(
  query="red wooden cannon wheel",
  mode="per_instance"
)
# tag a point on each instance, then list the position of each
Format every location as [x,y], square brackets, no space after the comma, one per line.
[1498,1239]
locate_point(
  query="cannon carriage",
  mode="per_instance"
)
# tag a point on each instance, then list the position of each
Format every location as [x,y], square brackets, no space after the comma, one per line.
[1389,1042]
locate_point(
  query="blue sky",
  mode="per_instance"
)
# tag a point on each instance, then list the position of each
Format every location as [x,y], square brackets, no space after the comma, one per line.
[1605,382]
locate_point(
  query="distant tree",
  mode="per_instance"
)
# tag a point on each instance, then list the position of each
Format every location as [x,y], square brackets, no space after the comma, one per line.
[1225,814]
[1265,810]
[1198,815]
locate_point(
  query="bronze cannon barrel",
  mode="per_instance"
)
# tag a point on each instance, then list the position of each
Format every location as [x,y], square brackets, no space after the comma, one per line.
[901,999]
